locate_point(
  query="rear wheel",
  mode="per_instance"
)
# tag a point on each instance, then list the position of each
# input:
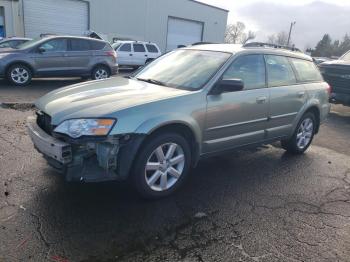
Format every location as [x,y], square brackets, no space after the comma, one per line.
[100,72]
[19,75]
[303,135]
[162,165]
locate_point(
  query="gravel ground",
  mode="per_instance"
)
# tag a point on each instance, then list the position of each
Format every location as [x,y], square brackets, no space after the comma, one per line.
[252,205]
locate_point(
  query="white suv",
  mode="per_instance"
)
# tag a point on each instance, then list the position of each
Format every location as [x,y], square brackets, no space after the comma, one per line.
[135,53]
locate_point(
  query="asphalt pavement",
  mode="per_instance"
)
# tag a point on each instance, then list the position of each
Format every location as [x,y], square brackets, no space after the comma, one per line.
[252,205]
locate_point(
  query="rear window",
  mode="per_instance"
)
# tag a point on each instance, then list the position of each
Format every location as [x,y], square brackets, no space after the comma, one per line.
[125,48]
[139,48]
[307,71]
[96,45]
[279,71]
[151,48]
[80,45]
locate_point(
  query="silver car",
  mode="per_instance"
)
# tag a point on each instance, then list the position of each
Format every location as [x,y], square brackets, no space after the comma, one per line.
[189,104]
[58,56]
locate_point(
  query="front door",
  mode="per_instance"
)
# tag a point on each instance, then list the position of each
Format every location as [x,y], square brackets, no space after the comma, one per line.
[50,58]
[287,97]
[125,55]
[238,118]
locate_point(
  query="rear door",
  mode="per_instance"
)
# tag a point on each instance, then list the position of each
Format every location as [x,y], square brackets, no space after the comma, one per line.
[49,58]
[287,96]
[140,55]
[239,118]
[79,56]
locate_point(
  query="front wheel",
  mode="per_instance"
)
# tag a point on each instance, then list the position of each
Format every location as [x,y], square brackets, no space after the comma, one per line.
[162,165]
[100,72]
[303,135]
[19,75]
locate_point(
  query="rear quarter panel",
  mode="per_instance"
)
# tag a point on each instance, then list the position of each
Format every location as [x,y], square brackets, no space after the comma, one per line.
[317,97]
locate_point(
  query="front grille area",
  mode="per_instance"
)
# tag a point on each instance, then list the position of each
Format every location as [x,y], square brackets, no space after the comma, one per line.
[44,122]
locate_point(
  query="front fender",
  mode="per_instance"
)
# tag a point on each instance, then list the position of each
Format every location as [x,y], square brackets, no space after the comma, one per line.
[155,123]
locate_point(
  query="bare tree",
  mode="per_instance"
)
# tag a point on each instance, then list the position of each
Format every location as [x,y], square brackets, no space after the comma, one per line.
[280,38]
[235,34]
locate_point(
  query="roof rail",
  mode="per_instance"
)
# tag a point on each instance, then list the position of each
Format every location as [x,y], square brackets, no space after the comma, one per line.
[261,44]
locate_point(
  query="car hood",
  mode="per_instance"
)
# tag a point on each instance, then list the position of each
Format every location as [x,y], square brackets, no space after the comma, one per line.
[102,98]
[9,50]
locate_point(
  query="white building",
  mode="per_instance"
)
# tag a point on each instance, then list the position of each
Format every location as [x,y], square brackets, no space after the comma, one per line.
[168,23]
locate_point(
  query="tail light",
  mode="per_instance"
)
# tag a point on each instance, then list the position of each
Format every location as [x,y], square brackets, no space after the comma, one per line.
[112,53]
[329,90]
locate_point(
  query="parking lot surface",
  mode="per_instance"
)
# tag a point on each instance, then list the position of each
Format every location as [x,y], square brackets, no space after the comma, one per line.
[252,205]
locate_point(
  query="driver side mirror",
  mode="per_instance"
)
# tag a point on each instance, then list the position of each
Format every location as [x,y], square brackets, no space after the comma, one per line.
[41,49]
[227,86]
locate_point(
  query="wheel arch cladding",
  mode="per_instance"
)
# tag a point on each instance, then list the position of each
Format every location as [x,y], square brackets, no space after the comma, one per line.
[7,68]
[316,111]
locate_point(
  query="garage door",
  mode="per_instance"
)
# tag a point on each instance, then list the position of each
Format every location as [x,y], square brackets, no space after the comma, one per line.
[183,32]
[69,17]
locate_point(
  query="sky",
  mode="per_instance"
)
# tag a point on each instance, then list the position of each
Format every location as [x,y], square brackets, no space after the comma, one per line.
[313,18]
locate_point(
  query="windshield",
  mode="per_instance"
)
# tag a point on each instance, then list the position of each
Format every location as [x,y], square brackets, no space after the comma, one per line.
[346,56]
[29,44]
[185,69]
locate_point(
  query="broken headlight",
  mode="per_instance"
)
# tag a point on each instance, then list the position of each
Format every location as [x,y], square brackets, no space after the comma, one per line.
[76,128]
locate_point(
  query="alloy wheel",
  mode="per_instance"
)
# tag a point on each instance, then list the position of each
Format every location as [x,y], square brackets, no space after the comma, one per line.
[101,74]
[305,133]
[19,75]
[164,166]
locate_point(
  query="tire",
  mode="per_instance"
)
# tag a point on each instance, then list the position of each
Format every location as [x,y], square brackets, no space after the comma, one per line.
[303,135]
[100,72]
[161,179]
[149,60]
[19,75]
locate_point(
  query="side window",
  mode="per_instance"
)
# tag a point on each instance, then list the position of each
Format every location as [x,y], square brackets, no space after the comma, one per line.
[56,45]
[139,48]
[125,48]
[250,69]
[96,45]
[5,44]
[307,71]
[79,45]
[279,71]
[151,48]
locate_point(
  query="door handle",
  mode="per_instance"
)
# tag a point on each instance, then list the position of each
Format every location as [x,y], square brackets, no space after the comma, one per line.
[146,55]
[261,99]
[130,54]
[301,93]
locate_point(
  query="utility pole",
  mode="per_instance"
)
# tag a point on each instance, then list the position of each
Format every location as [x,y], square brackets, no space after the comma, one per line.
[290,31]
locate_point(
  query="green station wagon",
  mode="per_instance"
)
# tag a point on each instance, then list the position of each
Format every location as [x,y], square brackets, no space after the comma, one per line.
[194,102]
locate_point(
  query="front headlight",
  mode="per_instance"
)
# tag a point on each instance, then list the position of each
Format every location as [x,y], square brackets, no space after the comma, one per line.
[85,127]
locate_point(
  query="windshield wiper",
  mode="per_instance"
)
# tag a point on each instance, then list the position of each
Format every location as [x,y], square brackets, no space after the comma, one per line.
[152,81]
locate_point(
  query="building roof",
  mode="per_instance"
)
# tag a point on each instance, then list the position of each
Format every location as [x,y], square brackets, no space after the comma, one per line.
[213,6]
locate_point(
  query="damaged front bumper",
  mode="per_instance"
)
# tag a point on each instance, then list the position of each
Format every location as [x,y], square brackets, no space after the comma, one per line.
[92,160]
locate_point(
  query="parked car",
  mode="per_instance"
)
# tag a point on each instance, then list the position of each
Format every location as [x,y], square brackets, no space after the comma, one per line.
[320,60]
[337,74]
[135,53]
[13,42]
[58,56]
[189,104]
